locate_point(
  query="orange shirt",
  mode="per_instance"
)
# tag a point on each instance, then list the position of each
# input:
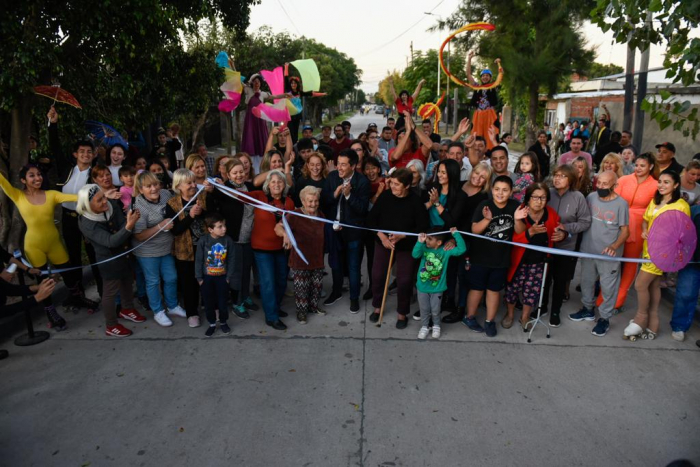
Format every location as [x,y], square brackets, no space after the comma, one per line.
[638,197]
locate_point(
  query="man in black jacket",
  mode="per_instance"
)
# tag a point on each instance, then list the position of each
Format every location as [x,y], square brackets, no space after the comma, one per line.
[345,199]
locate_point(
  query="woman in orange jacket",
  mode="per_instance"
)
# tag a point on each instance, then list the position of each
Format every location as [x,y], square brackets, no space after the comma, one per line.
[638,190]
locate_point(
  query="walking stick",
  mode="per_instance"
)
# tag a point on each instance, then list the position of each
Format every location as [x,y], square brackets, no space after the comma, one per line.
[386,289]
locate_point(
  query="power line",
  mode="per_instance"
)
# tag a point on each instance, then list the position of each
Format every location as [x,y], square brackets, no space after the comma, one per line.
[395,38]
[289,17]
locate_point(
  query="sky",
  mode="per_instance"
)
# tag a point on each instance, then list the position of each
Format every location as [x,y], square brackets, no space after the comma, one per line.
[378,34]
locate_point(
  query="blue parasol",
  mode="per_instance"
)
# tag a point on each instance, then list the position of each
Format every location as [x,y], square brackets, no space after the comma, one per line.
[105,134]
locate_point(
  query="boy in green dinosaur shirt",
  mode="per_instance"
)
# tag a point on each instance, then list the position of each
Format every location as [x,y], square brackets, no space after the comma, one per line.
[432,275]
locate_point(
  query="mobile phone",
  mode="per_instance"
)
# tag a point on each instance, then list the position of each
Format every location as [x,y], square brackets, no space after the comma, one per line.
[12,268]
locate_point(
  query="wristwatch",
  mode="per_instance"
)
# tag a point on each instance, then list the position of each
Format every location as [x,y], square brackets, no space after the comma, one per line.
[436,204]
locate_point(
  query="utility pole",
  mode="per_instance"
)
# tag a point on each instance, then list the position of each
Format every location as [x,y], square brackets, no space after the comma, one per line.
[411,53]
[447,95]
[629,89]
[641,92]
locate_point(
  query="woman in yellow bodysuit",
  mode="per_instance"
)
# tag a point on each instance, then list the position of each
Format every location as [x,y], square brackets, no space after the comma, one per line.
[42,243]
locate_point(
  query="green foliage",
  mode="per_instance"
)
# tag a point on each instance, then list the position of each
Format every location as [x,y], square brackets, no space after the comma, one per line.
[424,66]
[671,23]
[598,70]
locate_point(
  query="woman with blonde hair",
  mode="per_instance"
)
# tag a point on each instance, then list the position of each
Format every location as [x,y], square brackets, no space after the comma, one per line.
[155,256]
[613,162]
[187,228]
[196,164]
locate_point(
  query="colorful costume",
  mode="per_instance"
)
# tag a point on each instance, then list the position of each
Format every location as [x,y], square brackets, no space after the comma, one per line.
[484,103]
[254,128]
[42,240]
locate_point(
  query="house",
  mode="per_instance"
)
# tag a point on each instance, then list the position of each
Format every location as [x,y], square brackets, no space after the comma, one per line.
[585,99]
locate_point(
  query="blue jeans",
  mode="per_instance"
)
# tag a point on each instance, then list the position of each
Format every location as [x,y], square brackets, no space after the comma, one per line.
[353,257]
[687,290]
[272,270]
[155,269]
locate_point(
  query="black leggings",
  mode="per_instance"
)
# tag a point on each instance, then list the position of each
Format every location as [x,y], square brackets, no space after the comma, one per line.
[561,269]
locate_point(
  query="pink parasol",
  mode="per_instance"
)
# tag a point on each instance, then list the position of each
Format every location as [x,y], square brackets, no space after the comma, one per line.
[671,241]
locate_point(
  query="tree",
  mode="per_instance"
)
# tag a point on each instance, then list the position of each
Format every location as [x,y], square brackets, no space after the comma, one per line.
[424,66]
[113,58]
[598,70]
[641,23]
[539,42]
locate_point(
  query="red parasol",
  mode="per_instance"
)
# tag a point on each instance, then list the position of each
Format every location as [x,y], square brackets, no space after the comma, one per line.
[58,94]
[672,241]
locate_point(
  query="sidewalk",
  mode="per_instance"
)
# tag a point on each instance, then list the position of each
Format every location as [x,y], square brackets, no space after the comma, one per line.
[341,391]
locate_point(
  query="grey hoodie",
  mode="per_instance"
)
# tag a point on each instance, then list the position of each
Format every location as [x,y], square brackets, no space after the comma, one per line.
[574,214]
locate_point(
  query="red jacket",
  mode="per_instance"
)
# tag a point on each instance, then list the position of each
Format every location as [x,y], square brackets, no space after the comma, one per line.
[517,253]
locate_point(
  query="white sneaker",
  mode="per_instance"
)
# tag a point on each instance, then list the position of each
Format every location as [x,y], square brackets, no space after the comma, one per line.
[193,321]
[162,319]
[436,332]
[678,336]
[423,333]
[178,311]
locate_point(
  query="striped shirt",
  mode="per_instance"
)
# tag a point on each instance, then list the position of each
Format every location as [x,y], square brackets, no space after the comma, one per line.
[151,215]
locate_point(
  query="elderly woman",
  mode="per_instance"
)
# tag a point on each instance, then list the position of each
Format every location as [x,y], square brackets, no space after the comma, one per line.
[418,183]
[196,164]
[102,177]
[308,233]
[102,223]
[268,248]
[239,225]
[397,209]
[187,228]
[575,218]
[526,270]
[155,255]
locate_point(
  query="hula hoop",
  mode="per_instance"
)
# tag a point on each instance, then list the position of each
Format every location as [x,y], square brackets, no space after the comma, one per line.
[470,27]
[429,109]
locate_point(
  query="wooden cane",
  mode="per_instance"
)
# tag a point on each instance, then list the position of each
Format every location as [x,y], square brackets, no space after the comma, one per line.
[386,289]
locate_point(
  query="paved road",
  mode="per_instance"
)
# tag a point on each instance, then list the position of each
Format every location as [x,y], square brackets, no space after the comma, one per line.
[340,391]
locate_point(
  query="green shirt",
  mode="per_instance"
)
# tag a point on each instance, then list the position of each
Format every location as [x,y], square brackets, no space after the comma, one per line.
[432,275]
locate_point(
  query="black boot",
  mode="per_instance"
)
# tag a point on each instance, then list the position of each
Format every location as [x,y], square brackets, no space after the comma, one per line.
[56,321]
[455,316]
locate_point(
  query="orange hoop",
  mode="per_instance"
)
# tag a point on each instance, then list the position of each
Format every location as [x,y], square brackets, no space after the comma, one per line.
[469,27]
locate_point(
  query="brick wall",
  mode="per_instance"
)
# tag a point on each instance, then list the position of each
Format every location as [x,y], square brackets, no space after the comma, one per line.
[582,107]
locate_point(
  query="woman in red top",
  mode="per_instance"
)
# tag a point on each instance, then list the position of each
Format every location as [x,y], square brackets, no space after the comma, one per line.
[268,248]
[526,272]
[404,102]
[410,144]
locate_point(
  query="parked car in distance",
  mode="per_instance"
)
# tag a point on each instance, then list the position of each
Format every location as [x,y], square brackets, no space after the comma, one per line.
[379,110]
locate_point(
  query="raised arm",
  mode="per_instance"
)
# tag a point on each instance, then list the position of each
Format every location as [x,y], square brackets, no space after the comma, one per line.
[425,140]
[418,88]
[11,192]
[403,143]
[270,138]
[471,79]
[391,88]
[462,130]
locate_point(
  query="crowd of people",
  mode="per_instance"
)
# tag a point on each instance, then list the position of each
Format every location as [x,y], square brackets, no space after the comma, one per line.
[172,231]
